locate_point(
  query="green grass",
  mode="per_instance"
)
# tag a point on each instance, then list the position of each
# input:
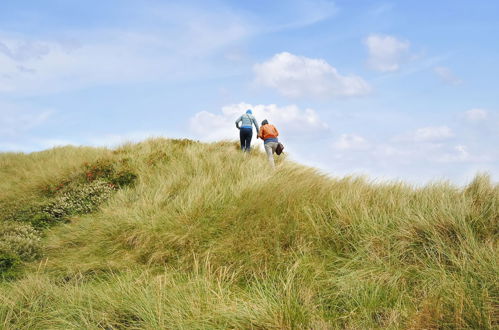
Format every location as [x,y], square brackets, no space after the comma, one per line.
[208,237]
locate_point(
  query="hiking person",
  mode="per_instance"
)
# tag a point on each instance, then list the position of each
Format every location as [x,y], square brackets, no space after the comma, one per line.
[246,129]
[269,133]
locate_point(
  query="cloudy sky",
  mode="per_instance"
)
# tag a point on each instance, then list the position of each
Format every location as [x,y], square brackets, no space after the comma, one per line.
[395,90]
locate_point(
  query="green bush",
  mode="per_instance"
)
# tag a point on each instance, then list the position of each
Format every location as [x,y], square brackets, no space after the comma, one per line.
[79,193]
[79,199]
[9,265]
[75,198]
[19,239]
[35,215]
[123,178]
[18,242]
[42,219]
[116,173]
[101,169]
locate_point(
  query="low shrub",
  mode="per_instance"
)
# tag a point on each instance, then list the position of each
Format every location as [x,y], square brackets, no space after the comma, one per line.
[80,193]
[74,199]
[19,239]
[115,172]
[101,169]
[18,242]
[79,199]
[9,265]
[123,178]
[51,190]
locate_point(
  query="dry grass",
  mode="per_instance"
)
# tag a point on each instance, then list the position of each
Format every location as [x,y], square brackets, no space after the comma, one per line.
[211,238]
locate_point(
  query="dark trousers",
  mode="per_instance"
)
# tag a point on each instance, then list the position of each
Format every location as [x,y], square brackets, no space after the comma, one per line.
[245,134]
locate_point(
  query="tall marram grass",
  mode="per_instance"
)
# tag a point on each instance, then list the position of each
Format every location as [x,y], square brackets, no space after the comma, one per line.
[209,237]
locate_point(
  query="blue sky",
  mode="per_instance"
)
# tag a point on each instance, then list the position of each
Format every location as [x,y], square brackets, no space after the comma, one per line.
[395,90]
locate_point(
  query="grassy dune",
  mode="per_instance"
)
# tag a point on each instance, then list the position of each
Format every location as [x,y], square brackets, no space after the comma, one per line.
[184,235]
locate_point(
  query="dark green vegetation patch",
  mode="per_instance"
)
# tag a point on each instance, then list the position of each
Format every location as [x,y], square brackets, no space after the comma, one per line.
[21,226]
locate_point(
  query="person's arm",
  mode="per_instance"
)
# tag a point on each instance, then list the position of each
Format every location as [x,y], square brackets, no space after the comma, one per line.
[277,132]
[238,120]
[260,133]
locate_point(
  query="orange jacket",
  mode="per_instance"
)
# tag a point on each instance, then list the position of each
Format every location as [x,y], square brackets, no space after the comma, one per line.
[268,131]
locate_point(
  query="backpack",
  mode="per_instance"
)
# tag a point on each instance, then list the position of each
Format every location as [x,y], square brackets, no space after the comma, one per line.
[279,149]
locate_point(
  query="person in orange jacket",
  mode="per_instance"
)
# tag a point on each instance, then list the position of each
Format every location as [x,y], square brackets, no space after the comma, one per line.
[269,133]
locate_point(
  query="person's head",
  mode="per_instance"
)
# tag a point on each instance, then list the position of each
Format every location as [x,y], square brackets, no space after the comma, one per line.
[265,122]
[249,112]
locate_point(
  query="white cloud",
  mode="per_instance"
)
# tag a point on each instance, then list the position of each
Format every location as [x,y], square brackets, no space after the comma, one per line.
[299,76]
[297,14]
[208,126]
[59,68]
[476,114]
[182,48]
[219,20]
[113,58]
[16,119]
[410,162]
[458,153]
[386,53]
[24,51]
[36,143]
[114,140]
[30,144]
[160,41]
[428,134]
[446,75]
[350,142]
[194,31]
[52,143]
[290,121]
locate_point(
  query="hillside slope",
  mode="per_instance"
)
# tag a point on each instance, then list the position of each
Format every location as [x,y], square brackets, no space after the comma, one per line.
[180,234]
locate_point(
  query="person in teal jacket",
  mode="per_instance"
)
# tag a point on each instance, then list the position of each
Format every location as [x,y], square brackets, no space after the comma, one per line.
[246,129]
